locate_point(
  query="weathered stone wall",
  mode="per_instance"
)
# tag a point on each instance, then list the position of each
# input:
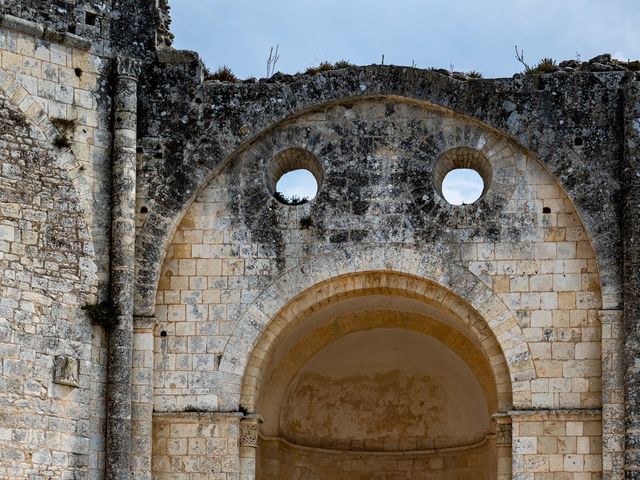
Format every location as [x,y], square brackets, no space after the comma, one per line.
[63,89]
[570,122]
[48,428]
[55,197]
[235,240]
[524,240]
[196,446]
[531,276]
[565,444]
[91,19]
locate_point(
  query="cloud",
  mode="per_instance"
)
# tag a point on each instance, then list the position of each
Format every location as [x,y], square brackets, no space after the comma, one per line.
[462,185]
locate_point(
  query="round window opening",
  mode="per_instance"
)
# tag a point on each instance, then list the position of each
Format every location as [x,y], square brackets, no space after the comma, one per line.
[296,187]
[462,186]
[294,176]
[462,175]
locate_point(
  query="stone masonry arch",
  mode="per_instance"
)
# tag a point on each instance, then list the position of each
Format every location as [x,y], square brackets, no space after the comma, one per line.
[204,156]
[47,133]
[519,260]
[402,269]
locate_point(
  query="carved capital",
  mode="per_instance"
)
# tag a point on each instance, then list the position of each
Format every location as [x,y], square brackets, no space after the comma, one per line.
[249,430]
[128,67]
[503,434]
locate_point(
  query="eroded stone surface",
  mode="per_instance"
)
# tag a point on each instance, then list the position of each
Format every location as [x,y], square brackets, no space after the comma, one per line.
[238,298]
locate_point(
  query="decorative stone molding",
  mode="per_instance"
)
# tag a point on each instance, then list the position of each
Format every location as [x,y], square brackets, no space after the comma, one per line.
[66,371]
[503,434]
[128,67]
[249,429]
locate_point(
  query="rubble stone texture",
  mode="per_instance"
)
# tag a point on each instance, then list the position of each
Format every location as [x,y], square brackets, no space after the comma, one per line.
[164,315]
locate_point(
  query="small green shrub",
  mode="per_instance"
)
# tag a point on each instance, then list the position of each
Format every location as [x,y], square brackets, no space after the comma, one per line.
[327,67]
[473,74]
[293,200]
[223,74]
[323,67]
[103,313]
[306,222]
[343,64]
[61,141]
[546,65]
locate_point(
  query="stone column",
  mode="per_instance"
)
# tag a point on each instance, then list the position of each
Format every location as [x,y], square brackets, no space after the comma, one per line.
[142,398]
[249,429]
[123,199]
[631,238]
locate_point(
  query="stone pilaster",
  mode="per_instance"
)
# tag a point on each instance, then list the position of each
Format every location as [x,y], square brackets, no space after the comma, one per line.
[249,431]
[612,394]
[123,197]
[503,432]
[142,398]
[631,238]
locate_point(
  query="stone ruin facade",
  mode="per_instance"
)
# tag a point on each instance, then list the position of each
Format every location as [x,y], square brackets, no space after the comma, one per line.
[163,315]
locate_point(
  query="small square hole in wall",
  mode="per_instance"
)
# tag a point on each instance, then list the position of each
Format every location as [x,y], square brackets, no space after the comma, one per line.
[90,18]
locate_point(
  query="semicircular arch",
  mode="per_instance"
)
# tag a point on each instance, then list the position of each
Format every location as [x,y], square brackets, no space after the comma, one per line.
[396,271]
[161,224]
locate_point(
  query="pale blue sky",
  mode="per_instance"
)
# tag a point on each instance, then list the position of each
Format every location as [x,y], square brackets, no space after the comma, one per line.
[471,35]
[462,185]
[298,183]
[460,34]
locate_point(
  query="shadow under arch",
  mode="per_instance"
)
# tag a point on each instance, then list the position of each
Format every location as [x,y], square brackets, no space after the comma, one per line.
[488,370]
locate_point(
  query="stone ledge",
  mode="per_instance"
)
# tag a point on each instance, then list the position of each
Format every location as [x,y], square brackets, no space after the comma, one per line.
[32,28]
[198,415]
[382,453]
[559,413]
[173,56]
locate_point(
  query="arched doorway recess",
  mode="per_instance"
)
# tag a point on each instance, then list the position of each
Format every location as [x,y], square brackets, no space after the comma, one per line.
[377,378]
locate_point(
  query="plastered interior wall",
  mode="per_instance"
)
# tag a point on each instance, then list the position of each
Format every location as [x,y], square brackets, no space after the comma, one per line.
[384,389]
